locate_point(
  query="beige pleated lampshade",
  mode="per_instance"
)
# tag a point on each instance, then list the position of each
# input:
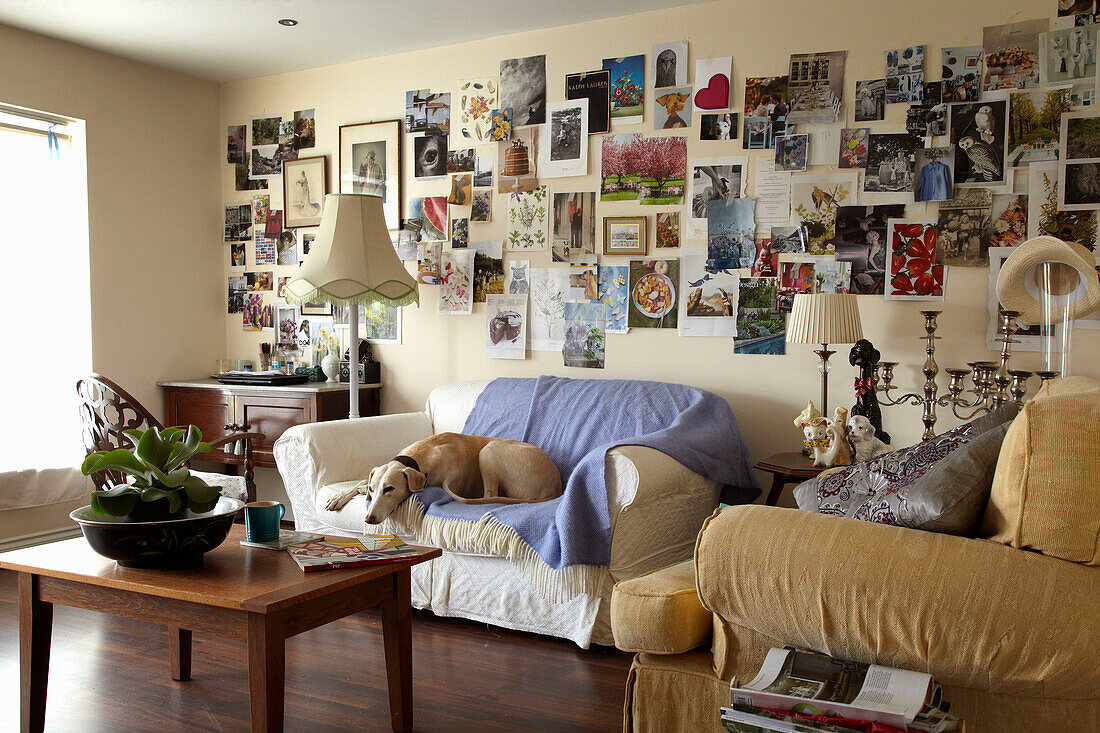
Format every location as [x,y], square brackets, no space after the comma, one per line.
[352,260]
[824,318]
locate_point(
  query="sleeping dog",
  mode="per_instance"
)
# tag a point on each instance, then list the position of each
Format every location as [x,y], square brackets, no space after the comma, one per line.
[471,468]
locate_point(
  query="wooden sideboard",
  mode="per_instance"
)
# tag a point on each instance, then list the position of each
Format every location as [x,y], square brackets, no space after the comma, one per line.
[220,409]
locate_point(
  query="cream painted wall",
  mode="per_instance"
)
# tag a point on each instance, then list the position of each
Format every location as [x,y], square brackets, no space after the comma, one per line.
[766,392]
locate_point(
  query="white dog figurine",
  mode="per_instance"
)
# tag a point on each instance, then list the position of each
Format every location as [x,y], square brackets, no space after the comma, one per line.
[862,434]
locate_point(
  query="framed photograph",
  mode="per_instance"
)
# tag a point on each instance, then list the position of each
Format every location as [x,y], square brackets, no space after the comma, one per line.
[370,163]
[305,183]
[624,235]
[316,309]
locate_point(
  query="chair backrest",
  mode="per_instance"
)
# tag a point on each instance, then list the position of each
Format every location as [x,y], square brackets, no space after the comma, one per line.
[105,411]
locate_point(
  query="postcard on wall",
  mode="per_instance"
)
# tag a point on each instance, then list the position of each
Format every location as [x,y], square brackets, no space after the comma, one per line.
[488,269]
[861,241]
[238,223]
[962,73]
[905,74]
[1067,55]
[614,291]
[241,176]
[370,162]
[563,151]
[583,282]
[286,329]
[890,162]
[305,129]
[791,152]
[456,282]
[506,326]
[715,179]
[815,199]
[528,214]
[773,195]
[668,230]
[935,171]
[928,118]
[1029,337]
[1009,215]
[1079,162]
[237,254]
[788,239]
[766,108]
[482,209]
[911,269]
[549,286]
[661,170]
[476,99]
[595,86]
[670,64]
[1033,128]
[618,164]
[627,88]
[427,265]
[731,243]
[870,103]
[964,227]
[523,89]
[280,291]
[796,275]
[712,82]
[1046,217]
[653,288]
[428,216]
[853,147]
[672,108]
[483,169]
[286,248]
[766,263]
[461,161]
[761,328]
[265,251]
[237,285]
[404,243]
[719,126]
[381,323]
[261,204]
[583,344]
[832,276]
[979,131]
[428,111]
[430,156]
[520,156]
[265,130]
[709,303]
[252,316]
[460,232]
[574,226]
[815,86]
[1012,54]
[517,277]
[460,189]
[500,128]
[236,147]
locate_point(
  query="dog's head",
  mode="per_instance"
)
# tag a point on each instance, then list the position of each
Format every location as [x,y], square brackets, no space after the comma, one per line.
[863,354]
[390,484]
[860,428]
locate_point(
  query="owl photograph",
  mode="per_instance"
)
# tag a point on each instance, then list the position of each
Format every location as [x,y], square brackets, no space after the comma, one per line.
[979,132]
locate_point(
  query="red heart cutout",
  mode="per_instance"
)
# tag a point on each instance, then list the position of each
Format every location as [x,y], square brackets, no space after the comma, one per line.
[715,95]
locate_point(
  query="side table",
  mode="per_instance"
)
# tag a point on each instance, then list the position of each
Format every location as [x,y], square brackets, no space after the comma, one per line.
[787,468]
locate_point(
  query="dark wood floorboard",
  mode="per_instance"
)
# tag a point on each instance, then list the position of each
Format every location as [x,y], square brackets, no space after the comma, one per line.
[112,674]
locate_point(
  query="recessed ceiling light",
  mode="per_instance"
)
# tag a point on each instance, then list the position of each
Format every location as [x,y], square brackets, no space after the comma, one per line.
[289,22]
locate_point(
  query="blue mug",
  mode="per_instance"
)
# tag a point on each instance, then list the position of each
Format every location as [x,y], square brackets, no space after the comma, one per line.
[261,520]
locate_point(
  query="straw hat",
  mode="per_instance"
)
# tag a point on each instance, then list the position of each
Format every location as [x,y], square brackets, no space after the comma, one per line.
[1020,284]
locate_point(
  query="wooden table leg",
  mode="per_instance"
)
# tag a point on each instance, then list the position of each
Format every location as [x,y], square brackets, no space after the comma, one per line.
[397,636]
[266,670]
[179,653]
[778,482]
[35,627]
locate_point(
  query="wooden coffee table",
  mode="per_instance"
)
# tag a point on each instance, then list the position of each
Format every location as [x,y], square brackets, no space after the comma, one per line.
[247,593]
[787,468]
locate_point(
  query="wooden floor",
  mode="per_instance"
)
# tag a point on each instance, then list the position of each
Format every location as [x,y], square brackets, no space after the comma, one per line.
[111,674]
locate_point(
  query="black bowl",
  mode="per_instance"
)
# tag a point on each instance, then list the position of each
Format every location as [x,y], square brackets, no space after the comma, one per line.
[163,544]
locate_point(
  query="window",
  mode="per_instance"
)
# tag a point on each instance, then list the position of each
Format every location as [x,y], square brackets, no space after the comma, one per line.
[45,291]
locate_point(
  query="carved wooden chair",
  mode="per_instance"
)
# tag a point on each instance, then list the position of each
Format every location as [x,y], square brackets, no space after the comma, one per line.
[107,409]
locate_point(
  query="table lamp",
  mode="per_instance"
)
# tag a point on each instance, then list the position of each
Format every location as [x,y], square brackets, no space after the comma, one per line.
[824,318]
[352,262]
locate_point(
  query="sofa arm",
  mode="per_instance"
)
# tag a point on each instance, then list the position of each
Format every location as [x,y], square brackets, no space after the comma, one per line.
[656,507]
[970,612]
[314,455]
[660,612]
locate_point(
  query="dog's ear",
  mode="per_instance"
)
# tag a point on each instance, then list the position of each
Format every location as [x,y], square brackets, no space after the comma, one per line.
[416,480]
[373,471]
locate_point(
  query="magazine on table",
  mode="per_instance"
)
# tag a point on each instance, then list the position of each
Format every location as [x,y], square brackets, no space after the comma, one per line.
[747,719]
[337,553]
[287,537]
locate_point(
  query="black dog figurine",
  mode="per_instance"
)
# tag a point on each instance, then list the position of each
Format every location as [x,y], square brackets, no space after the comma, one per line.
[866,356]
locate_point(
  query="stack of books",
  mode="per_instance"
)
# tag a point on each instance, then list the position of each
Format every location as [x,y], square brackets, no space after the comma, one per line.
[799,692]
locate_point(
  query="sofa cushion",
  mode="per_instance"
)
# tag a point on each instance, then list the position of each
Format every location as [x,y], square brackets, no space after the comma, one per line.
[1046,491]
[659,612]
[450,404]
[939,485]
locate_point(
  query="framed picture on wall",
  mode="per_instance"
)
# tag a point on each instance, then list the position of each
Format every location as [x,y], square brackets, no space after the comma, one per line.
[316,309]
[624,235]
[370,163]
[305,183]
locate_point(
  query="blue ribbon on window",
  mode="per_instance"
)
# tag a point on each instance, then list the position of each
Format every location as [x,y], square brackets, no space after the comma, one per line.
[55,149]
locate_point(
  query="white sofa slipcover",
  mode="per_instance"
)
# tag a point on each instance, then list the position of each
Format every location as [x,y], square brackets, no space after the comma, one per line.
[656,508]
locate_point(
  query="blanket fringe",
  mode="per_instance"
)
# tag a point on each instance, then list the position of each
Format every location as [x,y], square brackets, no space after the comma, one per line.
[488,536]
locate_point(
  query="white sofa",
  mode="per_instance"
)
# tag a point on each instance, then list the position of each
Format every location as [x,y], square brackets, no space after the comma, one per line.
[656,508]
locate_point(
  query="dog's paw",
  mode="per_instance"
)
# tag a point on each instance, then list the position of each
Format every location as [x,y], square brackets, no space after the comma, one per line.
[336,503]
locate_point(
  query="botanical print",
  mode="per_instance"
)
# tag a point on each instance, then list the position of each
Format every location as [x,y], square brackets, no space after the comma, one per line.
[890,162]
[523,89]
[594,86]
[614,293]
[1012,54]
[962,73]
[427,265]
[461,161]
[853,147]
[980,133]
[505,326]
[483,169]
[791,152]
[662,166]
[653,286]
[709,305]
[574,226]
[428,112]
[934,173]
[730,229]
[766,110]
[547,325]
[714,179]
[672,108]
[788,239]
[1033,121]
[566,152]
[815,199]
[722,126]
[668,229]
[670,64]
[482,209]
[460,232]
[911,269]
[583,345]
[627,88]
[1067,55]
[1079,165]
[428,215]
[527,219]
[815,84]
[619,165]
[517,280]
[761,328]
[964,227]
[500,124]
[861,241]
[461,184]
[488,269]
[905,74]
[1045,216]
[1009,220]
[430,156]
[476,99]
[870,100]
[712,82]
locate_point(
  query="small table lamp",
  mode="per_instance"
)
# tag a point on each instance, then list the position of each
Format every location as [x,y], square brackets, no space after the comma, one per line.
[352,262]
[824,318]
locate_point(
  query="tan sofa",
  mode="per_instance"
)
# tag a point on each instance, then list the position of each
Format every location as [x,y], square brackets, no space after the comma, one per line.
[1009,624]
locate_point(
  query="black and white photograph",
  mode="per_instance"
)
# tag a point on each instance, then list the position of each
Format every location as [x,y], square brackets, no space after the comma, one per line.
[962,73]
[565,132]
[928,118]
[427,111]
[265,161]
[713,179]
[979,132]
[238,223]
[286,248]
[370,163]
[670,62]
[237,285]
[236,254]
[861,240]
[786,240]
[235,145]
[304,189]
[890,162]
[964,228]
[934,169]
[430,156]
[523,88]
[574,226]
[718,126]
[1079,161]
[483,169]
[1081,189]
[369,168]
[905,74]
[870,103]
[815,87]
[595,86]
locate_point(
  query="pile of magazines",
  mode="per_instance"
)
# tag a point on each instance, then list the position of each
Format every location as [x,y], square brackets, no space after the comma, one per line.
[802,692]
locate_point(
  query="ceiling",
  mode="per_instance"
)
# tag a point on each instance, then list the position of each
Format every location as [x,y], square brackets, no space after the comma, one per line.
[227,40]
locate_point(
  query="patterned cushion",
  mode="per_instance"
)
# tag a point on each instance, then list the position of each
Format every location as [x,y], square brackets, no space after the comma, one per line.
[232,486]
[940,484]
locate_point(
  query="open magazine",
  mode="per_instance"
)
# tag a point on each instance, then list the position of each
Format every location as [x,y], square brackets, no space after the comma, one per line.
[814,683]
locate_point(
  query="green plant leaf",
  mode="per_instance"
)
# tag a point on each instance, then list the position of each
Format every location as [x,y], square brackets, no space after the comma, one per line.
[174,497]
[174,478]
[133,435]
[201,497]
[171,435]
[115,460]
[115,502]
[151,449]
